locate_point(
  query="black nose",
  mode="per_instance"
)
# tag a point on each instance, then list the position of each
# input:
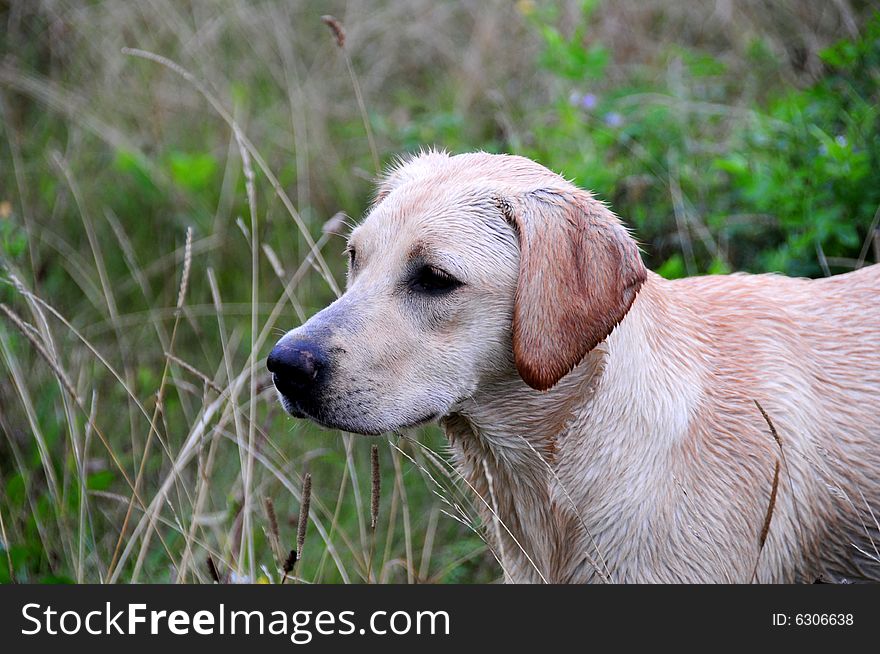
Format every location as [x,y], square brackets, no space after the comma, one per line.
[295,366]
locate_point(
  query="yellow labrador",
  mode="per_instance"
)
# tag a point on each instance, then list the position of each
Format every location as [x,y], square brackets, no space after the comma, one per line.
[615,413]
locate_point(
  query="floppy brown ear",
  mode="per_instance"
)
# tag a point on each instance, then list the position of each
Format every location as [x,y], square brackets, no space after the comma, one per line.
[579,273]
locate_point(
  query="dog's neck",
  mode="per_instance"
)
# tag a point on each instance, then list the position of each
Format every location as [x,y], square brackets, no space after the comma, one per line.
[547,465]
[506,447]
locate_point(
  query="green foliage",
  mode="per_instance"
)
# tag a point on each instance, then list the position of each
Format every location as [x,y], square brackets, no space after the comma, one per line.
[572,57]
[13,240]
[797,175]
[100,480]
[813,161]
[195,172]
[133,166]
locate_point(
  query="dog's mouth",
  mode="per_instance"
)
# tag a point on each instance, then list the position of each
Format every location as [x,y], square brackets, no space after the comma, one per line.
[291,405]
[293,410]
[418,422]
[352,424]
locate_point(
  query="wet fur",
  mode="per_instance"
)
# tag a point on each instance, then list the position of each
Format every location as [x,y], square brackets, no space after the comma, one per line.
[659,465]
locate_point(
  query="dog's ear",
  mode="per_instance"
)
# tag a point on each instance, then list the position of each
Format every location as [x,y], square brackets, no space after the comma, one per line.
[408,168]
[579,273]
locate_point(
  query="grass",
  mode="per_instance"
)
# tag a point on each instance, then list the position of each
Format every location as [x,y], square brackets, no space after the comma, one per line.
[174,180]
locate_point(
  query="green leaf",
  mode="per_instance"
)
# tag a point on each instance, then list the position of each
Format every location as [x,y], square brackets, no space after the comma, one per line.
[15,489]
[100,481]
[133,164]
[673,268]
[192,171]
[718,267]
[736,164]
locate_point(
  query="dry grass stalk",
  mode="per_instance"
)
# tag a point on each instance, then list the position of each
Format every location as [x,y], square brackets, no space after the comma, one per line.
[7,546]
[375,494]
[195,371]
[29,333]
[604,571]
[774,488]
[778,439]
[490,482]
[339,34]
[770,424]
[303,514]
[337,224]
[336,28]
[405,510]
[323,268]
[273,533]
[455,475]
[187,266]
[212,570]
[877,246]
[154,421]
[873,237]
[41,350]
[376,489]
[770,506]
[289,562]
[765,529]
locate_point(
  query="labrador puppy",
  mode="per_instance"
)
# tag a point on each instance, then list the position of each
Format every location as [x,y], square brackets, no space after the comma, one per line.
[617,426]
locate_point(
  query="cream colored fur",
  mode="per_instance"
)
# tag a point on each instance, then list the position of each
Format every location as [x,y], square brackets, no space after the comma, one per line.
[648,459]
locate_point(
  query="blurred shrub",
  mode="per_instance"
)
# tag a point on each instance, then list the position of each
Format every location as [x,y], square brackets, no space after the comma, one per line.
[813,161]
[710,185]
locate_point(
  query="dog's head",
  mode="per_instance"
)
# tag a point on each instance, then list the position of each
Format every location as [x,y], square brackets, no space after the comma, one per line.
[467,268]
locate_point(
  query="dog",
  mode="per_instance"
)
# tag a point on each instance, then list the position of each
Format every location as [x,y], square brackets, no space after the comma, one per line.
[616,426]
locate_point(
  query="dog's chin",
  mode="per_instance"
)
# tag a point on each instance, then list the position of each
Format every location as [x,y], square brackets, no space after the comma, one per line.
[354,426]
[418,422]
[292,408]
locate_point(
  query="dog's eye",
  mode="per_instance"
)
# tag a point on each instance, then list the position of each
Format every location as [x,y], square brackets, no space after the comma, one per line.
[433,281]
